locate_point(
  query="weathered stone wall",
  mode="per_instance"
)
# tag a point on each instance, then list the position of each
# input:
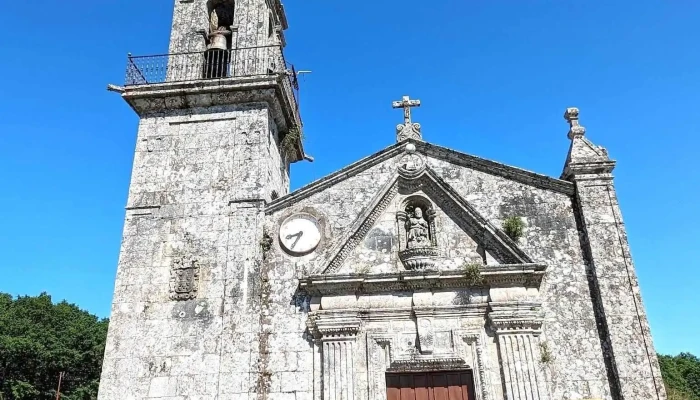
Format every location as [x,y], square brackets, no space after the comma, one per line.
[198,193]
[194,219]
[575,368]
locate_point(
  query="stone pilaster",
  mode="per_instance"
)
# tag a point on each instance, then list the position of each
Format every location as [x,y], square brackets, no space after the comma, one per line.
[517,326]
[630,357]
[336,336]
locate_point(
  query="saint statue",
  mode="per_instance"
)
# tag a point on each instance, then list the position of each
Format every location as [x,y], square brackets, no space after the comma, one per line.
[221,16]
[418,230]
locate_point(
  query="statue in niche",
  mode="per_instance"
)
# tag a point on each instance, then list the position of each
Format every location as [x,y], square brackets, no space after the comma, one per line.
[418,230]
[220,16]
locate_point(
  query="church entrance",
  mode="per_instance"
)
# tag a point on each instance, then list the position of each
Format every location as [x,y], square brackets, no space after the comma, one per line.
[430,386]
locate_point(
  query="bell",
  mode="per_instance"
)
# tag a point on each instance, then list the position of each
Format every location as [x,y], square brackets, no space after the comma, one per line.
[217,57]
[217,41]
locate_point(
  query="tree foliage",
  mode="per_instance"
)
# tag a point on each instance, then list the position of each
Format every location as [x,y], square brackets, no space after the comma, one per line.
[681,375]
[39,340]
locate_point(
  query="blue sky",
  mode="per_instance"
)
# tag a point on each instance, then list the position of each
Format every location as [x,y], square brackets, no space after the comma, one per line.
[494,78]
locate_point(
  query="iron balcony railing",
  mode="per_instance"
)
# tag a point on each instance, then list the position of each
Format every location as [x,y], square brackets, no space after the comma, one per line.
[212,64]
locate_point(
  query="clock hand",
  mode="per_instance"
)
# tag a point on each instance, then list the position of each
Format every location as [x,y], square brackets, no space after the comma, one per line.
[298,236]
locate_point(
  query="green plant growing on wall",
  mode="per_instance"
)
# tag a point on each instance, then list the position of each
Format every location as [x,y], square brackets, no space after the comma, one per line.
[472,272]
[289,141]
[545,355]
[514,227]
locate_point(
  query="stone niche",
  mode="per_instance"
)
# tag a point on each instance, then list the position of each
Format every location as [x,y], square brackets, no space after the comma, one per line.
[418,247]
[366,327]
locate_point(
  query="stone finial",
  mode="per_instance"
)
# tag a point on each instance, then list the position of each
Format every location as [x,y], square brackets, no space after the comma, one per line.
[407,130]
[571,115]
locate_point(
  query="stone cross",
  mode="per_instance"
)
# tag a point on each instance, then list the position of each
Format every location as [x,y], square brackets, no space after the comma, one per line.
[406,103]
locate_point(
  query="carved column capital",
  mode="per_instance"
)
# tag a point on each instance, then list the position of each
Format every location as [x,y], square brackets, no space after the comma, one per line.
[333,326]
[516,317]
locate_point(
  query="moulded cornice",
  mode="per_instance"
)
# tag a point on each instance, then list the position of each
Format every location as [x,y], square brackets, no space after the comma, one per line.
[270,89]
[526,275]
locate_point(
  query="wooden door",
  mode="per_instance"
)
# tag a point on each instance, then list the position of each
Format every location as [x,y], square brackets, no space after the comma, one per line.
[430,386]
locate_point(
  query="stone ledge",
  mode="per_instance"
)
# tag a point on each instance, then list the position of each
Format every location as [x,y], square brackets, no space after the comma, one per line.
[528,275]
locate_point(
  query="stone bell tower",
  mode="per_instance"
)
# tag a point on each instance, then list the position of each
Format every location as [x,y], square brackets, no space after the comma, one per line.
[219,127]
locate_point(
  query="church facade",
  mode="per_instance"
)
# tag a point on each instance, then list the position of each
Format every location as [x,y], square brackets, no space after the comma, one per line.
[419,272]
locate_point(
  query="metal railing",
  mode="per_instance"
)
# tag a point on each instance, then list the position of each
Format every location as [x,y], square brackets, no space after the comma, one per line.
[212,64]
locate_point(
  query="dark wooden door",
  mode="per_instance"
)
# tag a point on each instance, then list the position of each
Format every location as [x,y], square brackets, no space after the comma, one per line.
[430,386]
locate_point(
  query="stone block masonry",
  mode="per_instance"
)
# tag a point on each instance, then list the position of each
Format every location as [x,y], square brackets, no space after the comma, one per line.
[404,266]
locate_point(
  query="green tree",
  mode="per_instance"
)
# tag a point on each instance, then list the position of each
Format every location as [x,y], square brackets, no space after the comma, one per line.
[39,340]
[681,375]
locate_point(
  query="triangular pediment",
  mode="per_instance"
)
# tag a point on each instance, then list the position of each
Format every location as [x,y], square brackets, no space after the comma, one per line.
[377,241]
[434,151]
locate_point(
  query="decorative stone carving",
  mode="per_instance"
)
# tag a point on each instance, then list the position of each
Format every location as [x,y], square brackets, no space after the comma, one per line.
[184,279]
[525,275]
[411,164]
[417,240]
[407,130]
[419,258]
[576,130]
[426,336]
[418,230]
[517,317]
[468,218]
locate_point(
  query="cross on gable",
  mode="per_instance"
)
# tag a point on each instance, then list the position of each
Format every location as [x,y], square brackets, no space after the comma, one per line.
[406,103]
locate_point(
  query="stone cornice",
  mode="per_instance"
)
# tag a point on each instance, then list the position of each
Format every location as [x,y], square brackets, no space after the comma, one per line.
[495,168]
[527,275]
[451,311]
[160,97]
[588,170]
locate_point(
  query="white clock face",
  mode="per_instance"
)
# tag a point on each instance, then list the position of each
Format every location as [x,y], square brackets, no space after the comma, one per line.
[300,234]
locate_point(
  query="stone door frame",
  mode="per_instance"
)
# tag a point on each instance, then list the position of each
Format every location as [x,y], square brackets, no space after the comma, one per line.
[383,358]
